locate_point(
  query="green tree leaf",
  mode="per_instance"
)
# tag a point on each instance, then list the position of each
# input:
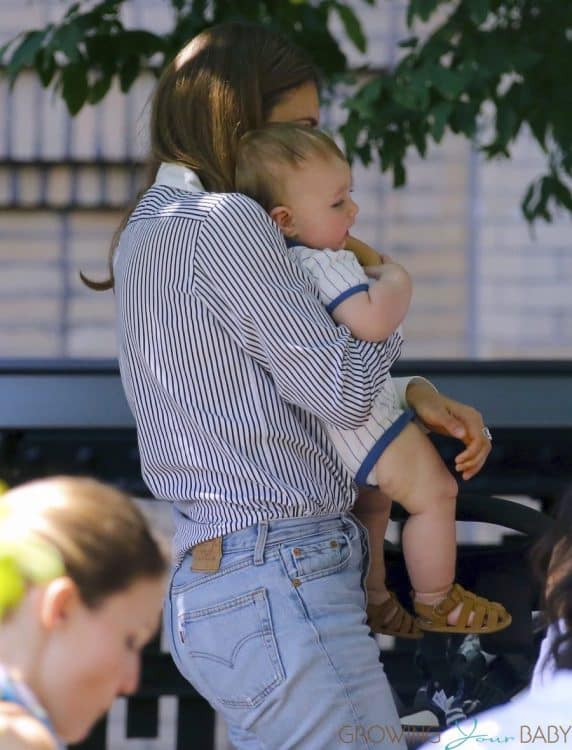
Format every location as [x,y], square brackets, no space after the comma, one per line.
[25,53]
[562,194]
[74,86]
[449,83]
[418,137]
[46,66]
[352,26]
[449,74]
[478,10]
[440,115]
[422,9]
[350,132]
[141,43]
[409,43]
[128,73]
[67,39]
[99,88]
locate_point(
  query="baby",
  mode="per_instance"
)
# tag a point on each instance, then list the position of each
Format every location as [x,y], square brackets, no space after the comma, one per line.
[303,180]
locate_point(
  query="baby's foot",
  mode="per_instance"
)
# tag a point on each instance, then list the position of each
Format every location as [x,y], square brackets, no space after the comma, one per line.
[389,617]
[435,598]
[458,610]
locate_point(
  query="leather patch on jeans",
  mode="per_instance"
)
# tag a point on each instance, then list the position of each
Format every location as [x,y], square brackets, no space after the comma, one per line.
[207,556]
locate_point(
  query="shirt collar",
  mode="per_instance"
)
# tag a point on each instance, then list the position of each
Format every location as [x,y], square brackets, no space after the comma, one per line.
[178,176]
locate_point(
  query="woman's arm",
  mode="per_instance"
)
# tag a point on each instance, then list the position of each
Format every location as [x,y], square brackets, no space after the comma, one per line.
[267,303]
[446,416]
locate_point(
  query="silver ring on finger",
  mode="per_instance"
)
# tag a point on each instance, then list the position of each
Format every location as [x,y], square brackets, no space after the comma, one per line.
[487,433]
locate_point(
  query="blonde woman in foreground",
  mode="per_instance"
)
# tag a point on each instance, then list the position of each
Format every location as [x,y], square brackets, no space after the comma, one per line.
[81,584]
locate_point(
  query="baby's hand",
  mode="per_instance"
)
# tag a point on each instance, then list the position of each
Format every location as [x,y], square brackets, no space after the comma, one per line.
[380,268]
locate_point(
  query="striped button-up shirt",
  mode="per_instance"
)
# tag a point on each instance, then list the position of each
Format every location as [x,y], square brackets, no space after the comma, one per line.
[231,364]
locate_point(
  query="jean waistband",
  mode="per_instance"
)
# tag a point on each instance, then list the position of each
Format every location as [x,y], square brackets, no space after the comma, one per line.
[265,533]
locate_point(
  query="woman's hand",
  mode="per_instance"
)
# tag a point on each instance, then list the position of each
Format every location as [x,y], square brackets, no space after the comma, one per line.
[449,417]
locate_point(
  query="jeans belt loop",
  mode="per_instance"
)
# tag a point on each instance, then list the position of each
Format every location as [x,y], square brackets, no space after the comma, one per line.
[260,542]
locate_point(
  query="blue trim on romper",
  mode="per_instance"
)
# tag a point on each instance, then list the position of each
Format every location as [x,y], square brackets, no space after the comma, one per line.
[344,295]
[388,436]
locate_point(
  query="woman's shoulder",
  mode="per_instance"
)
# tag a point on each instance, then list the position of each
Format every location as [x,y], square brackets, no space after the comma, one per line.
[167,200]
[21,731]
[243,214]
[240,201]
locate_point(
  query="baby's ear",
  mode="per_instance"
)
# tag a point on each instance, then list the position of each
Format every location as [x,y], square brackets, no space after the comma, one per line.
[283,216]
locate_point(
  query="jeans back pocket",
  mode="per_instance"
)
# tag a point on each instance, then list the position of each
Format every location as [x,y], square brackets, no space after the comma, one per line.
[233,648]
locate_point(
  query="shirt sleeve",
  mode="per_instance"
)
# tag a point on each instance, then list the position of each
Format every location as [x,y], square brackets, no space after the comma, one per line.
[394,344]
[401,387]
[336,273]
[242,272]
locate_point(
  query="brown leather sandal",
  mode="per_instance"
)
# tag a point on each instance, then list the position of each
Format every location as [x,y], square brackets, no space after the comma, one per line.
[391,618]
[488,617]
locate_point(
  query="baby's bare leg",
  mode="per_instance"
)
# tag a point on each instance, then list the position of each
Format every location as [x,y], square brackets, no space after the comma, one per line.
[411,472]
[372,508]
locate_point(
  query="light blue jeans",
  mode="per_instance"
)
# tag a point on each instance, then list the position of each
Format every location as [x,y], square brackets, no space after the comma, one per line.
[277,641]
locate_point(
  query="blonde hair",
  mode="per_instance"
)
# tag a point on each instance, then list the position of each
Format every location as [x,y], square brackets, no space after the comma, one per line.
[224,82]
[101,537]
[262,153]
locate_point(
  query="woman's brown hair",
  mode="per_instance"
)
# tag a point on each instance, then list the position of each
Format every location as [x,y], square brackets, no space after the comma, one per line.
[552,558]
[223,83]
[101,536]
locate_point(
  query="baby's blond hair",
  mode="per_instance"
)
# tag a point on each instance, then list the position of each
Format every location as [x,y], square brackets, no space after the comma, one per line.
[262,153]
